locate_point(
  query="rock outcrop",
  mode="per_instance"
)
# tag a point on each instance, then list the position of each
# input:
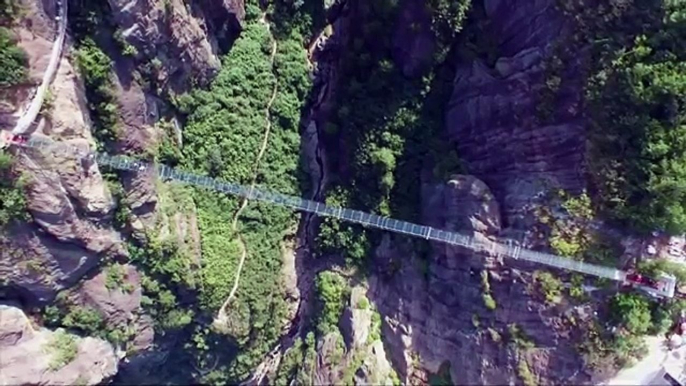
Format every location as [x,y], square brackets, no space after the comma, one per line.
[67,198]
[34,357]
[413,39]
[115,293]
[492,116]
[356,353]
[177,40]
[437,314]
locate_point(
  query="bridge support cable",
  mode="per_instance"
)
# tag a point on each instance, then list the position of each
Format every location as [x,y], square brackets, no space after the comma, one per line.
[366,219]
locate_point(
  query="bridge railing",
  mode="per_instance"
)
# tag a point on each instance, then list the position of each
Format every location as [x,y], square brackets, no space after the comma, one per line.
[501,247]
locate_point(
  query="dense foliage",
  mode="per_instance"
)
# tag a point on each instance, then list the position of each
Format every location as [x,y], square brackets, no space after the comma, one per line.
[96,68]
[12,201]
[636,97]
[385,130]
[632,311]
[225,129]
[332,291]
[13,61]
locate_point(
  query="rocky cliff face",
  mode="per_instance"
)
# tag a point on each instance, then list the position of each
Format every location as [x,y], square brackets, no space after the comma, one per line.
[492,115]
[182,41]
[33,356]
[68,200]
[435,310]
[356,354]
[437,315]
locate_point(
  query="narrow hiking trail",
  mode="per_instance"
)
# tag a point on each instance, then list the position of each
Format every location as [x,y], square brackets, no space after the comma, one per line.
[244,202]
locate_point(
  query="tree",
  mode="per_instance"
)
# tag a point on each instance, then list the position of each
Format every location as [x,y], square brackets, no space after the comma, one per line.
[13,61]
[331,290]
[632,311]
[12,201]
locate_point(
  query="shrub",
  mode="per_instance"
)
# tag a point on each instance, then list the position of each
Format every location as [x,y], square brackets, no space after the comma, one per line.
[550,285]
[96,68]
[525,374]
[13,61]
[489,302]
[331,290]
[12,201]
[518,337]
[84,318]
[632,310]
[63,349]
[363,303]
[114,277]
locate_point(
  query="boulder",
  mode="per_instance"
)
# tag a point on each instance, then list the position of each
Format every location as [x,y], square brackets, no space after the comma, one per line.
[376,368]
[355,322]
[121,301]
[29,354]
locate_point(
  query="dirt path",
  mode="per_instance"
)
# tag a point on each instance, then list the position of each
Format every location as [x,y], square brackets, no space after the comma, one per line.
[306,268]
[244,202]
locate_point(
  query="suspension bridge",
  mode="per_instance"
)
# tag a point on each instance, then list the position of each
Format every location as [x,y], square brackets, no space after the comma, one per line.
[506,248]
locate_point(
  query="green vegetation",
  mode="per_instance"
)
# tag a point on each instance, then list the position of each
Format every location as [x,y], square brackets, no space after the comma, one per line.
[550,286]
[96,68]
[349,372]
[288,367]
[13,61]
[601,348]
[573,234]
[389,123]
[85,319]
[525,374]
[576,289]
[632,311]
[231,112]
[12,201]
[375,328]
[635,94]
[518,337]
[363,303]
[298,363]
[9,11]
[653,268]
[634,315]
[114,277]
[63,349]
[486,295]
[332,291]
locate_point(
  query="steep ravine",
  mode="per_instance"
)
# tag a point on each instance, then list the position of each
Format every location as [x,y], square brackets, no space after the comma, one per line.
[244,202]
[306,265]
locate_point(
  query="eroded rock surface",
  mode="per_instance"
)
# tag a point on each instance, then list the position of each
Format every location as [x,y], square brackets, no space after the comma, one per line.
[176,38]
[413,39]
[28,355]
[430,312]
[67,198]
[494,113]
